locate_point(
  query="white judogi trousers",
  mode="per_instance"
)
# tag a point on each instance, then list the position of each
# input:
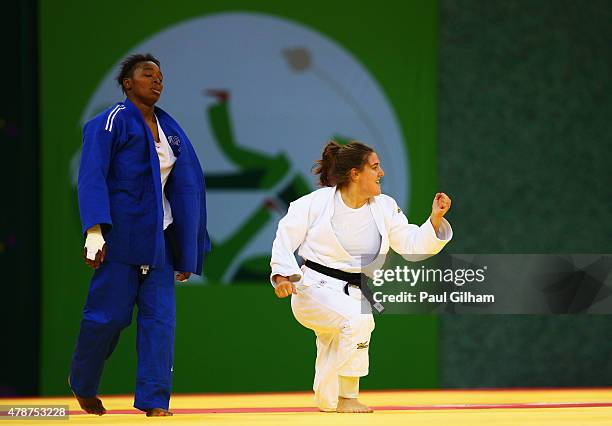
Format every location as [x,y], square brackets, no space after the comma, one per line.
[343,334]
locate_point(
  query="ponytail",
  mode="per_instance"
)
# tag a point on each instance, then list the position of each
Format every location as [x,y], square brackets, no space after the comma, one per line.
[327,164]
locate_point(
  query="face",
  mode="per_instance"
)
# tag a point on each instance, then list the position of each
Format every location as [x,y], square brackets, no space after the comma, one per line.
[368,178]
[146,83]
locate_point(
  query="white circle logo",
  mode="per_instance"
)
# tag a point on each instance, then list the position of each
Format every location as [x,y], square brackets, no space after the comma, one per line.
[259,96]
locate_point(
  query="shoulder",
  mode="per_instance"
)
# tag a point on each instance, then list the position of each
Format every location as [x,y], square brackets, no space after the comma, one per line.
[323,193]
[319,196]
[316,197]
[108,119]
[386,202]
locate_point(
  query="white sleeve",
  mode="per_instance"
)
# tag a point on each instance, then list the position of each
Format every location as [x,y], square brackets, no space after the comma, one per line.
[290,235]
[416,242]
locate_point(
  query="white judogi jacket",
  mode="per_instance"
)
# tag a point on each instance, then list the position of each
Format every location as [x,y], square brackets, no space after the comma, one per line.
[307,226]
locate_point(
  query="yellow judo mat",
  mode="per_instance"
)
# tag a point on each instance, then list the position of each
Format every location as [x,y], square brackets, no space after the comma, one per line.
[433,407]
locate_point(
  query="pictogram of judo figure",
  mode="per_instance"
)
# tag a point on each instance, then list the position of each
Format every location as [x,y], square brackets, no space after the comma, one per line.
[142,203]
[257,171]
[340,230]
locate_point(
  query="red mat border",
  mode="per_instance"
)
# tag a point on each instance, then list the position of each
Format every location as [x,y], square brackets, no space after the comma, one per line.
[309,392]
[260,410]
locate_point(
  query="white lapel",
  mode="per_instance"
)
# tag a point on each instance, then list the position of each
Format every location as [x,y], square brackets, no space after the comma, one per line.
[379,218]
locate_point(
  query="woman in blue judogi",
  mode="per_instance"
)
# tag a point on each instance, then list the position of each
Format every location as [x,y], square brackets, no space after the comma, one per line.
[143,209]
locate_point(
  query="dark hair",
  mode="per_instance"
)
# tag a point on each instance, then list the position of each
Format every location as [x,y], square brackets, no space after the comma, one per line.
[337,160]
[128,65]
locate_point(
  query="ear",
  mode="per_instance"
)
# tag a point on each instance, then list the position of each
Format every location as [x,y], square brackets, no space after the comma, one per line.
[127,84]
[354,173]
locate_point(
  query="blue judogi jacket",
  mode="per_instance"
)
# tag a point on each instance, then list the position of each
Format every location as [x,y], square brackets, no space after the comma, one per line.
[119,187]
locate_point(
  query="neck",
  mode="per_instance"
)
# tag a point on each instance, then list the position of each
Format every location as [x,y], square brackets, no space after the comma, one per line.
[147,111]
[352,196]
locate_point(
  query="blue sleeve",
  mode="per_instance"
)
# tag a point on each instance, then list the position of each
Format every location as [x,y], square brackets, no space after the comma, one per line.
[92,187]
[204,244]
[187,195]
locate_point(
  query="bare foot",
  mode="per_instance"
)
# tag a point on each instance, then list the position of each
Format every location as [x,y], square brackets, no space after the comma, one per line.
[89,405]
[159,412]
[352,405]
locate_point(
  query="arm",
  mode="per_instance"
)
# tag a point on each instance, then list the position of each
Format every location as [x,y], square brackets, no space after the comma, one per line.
[419,242]
[94,205]
[290,234]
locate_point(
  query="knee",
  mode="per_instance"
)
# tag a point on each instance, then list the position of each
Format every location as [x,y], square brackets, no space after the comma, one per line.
[165,318]
[106,320]
[358,325]
[157,312]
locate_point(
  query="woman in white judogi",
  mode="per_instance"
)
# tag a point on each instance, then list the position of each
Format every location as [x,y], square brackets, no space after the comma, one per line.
[344,225]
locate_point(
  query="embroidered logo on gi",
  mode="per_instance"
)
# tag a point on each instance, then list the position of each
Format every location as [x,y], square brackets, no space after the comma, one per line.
[399,210]
[363,345]
[175,141]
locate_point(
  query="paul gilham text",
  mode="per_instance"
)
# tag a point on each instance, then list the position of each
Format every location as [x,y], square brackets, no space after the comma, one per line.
[454,297]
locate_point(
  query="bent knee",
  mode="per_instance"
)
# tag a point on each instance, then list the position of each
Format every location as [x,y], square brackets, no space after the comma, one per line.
[358,325]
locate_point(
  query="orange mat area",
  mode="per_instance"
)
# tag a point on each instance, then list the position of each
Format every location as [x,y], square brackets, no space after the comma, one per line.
[435,407]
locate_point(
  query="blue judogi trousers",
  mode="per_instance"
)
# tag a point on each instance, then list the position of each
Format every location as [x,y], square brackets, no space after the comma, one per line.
[114,290]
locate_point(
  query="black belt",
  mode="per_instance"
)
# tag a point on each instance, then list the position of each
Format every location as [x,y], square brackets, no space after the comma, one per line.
[351,278]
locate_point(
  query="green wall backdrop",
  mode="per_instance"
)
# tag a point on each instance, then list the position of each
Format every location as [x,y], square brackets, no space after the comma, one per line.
[525,118]
[239,337]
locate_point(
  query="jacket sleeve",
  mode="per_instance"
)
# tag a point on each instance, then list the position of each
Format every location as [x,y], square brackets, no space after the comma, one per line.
[291,232]
[414,242]
[186,192]
[92,188]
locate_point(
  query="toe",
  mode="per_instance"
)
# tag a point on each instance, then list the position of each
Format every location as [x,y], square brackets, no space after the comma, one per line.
[159,412]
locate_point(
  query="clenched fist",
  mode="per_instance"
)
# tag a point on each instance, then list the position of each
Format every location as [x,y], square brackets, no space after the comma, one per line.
[182,276]
[284,287]
[441,205]
[95,263]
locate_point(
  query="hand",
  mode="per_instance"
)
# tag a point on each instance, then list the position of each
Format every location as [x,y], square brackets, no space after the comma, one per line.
[100,255]
[441,204]
[284,288]
[182,276]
